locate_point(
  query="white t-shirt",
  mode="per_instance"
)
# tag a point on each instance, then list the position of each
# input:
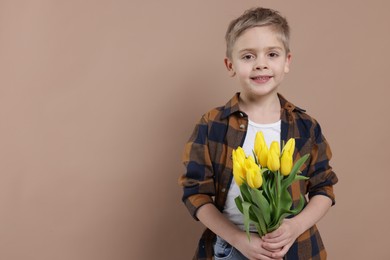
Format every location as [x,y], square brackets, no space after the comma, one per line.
[271,133]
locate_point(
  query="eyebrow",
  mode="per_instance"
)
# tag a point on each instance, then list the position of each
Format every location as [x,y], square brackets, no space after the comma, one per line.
[254,50]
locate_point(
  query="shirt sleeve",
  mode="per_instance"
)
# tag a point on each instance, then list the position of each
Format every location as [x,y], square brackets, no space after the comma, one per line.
[197,181]
[322,176]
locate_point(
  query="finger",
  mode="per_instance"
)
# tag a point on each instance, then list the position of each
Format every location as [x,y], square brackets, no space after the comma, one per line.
[275,245]
[262,257]
[281,253]
[266,254]
[276,239]
[273,234]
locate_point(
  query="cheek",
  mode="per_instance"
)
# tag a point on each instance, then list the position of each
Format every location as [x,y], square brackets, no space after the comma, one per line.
[243,76]
[243,71]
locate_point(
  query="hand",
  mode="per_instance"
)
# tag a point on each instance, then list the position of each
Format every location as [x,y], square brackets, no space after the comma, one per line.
[282,238]
[254,249]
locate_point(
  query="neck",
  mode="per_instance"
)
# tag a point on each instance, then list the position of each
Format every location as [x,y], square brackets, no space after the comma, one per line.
[262,110]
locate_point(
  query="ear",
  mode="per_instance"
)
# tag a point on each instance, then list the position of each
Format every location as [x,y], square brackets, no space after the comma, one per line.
[287,64]
[230,68]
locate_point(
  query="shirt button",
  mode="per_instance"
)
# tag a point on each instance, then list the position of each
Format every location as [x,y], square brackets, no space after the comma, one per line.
[242,126]
[223,190]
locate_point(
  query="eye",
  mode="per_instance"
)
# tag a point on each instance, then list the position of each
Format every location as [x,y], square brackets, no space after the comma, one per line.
[248,57]
[273,54]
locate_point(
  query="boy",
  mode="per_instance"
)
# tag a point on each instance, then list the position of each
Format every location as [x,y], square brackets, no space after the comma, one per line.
[258,55]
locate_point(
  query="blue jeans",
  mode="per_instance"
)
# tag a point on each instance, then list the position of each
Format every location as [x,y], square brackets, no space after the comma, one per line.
[224,251]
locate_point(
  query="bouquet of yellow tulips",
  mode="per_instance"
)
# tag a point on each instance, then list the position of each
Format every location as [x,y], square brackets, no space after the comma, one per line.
[264,179]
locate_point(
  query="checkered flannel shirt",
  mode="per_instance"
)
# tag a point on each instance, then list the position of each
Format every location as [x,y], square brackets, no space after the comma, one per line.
[208,162]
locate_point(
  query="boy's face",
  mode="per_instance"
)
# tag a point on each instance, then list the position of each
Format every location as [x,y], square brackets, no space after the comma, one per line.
[259,60]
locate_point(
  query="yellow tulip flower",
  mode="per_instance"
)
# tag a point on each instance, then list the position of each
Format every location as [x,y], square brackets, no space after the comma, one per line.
[263,159]
[254,178]
[239,155]
[259,143]
[290,146]
[239,172]
[273,162]
[253,174]
[286,163]
[261,149]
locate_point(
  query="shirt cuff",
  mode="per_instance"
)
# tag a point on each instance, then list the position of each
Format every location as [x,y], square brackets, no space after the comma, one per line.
[194,202]
[325,191]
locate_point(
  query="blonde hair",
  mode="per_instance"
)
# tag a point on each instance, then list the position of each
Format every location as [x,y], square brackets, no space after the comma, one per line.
[257,17]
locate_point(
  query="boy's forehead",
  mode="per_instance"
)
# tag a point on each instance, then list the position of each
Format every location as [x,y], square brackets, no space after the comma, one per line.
[260,36]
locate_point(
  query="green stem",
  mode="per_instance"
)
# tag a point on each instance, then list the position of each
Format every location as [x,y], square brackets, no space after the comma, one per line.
[277,195]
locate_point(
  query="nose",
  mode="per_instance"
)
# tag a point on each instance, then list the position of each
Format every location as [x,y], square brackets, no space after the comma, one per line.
[260,64]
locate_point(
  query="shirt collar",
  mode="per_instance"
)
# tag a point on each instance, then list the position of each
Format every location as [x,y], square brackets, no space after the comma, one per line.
[232,106]
[287,105]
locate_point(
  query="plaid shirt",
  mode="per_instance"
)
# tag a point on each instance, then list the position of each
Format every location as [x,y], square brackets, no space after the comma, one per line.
[208,162]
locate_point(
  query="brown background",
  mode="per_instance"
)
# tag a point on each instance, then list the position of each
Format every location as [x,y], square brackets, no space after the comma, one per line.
[97,99]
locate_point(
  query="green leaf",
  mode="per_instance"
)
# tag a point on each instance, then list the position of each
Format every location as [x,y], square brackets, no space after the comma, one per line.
[287,212]
[300,177]
[238,200]
[260,220]
[246,206]
[277,222]
[266,186]
[299,163]
[257,225]
[272,199]
[272,192]
[277,195]
[244,188]
[262,203]
[289,179]
[284,202]
[285,199]
[299,207]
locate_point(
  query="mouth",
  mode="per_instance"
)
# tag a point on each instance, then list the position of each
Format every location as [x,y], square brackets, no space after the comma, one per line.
[261,79]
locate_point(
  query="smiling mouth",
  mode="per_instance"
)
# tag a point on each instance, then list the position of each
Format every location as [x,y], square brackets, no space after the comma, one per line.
[261,79]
